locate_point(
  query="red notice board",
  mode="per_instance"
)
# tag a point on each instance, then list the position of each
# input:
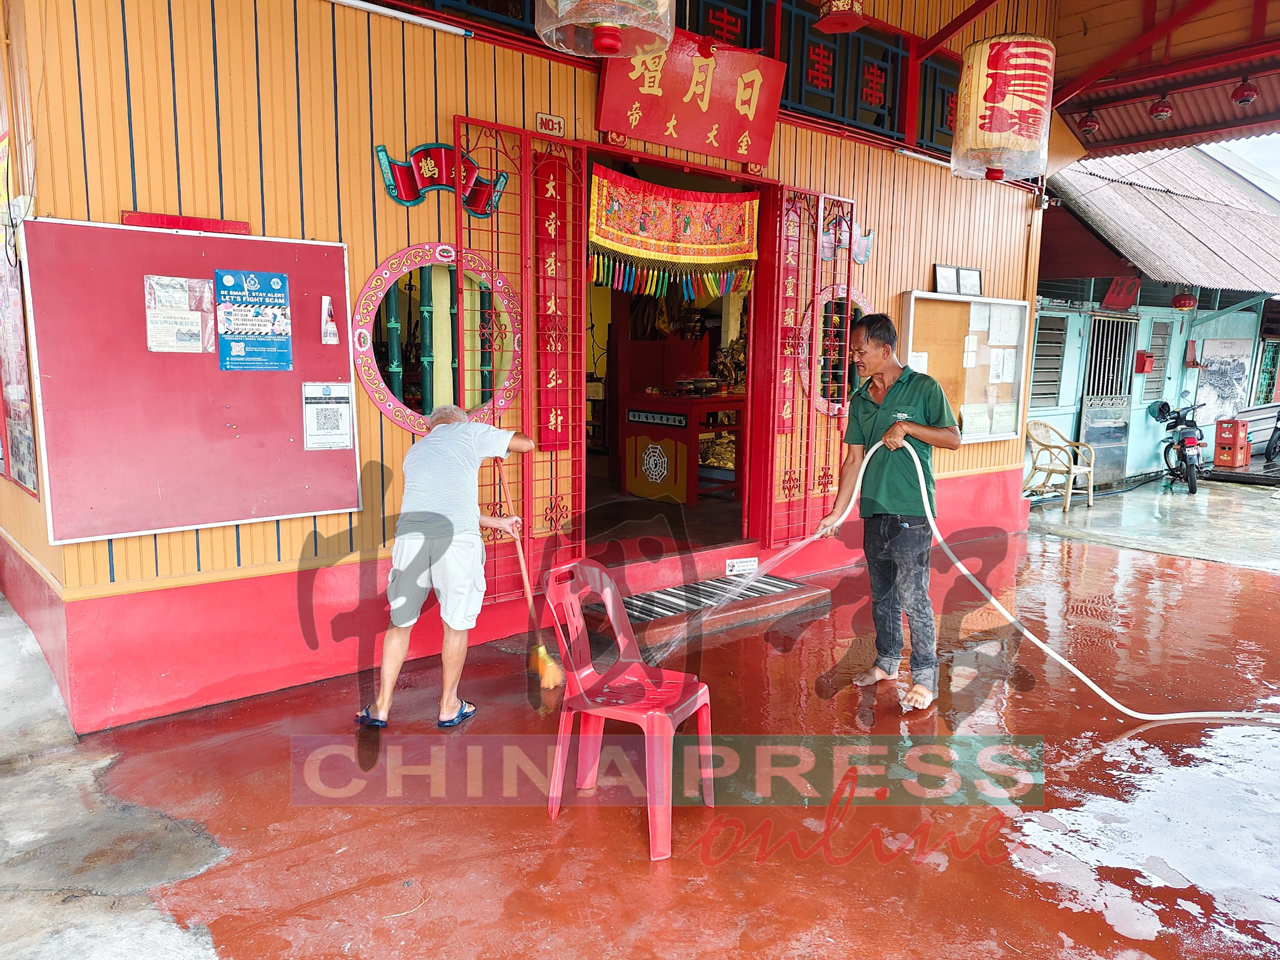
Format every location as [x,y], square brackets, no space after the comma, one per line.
[135,441]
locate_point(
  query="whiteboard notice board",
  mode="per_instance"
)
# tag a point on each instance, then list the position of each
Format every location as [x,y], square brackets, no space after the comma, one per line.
[136,440]
[977,349]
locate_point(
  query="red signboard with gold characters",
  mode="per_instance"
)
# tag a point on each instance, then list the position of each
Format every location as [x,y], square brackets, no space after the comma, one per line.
[696,95]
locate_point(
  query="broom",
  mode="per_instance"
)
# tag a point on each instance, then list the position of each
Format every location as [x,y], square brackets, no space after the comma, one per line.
[540,662]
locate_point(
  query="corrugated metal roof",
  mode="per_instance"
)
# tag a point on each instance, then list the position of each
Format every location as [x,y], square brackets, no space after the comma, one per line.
[1172,215]
[1202,114]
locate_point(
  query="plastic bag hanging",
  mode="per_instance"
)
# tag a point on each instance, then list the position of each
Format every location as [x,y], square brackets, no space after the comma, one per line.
[605,28]
[1005,98]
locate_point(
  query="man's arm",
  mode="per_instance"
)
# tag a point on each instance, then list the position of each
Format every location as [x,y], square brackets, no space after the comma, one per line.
[508,525]
[854,453]
[520,443]
[948,438]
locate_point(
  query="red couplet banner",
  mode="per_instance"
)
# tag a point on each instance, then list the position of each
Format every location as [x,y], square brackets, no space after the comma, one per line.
[695,95]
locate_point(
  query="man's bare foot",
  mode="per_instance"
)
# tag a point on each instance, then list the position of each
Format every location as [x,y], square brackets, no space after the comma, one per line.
[872,676]
[919,697]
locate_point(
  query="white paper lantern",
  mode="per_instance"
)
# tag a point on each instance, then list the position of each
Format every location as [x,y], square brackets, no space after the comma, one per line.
[1005,105]
[605,28]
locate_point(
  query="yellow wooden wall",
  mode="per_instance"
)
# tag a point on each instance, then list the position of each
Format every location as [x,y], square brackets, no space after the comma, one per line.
[209,108]
[1089,30]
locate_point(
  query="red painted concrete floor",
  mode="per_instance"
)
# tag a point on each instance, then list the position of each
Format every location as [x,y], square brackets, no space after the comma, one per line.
[1156,843]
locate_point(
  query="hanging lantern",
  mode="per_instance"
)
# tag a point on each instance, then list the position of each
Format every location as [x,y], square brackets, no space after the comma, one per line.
[1161,110]
[1089,124]
[1185,301]
[605,28]
[1006,90]
[840,16]
[1244,94]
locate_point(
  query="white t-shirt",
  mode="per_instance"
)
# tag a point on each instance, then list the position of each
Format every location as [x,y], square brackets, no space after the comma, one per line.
[441,478]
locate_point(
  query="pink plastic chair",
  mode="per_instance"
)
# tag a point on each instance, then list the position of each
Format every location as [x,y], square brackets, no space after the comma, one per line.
[654,699]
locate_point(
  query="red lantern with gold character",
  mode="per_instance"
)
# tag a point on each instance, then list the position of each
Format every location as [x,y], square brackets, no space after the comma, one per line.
[605,28]
[1005,103]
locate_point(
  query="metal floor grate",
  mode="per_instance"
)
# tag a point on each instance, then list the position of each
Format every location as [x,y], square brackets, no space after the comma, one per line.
[690,597]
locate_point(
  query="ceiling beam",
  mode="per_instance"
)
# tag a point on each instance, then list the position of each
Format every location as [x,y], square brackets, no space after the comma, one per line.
[1200,134]
[1143,41]
[1245,55]
[939,39]
[1229,77]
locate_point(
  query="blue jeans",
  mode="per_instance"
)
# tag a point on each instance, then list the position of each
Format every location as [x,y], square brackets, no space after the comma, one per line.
[897,549]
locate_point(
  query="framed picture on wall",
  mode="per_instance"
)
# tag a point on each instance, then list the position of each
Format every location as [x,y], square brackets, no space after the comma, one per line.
[970,282]
[945,279]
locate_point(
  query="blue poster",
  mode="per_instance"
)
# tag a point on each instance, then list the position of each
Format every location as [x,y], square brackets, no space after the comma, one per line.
[254,328]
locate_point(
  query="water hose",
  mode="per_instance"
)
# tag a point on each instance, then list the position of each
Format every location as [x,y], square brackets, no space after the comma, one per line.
[1207,715]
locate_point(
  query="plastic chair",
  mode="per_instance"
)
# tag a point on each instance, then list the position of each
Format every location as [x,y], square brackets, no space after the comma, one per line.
[630,690]
[1063,458]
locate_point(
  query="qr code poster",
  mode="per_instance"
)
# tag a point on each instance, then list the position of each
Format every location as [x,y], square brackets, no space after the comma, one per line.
[326,416]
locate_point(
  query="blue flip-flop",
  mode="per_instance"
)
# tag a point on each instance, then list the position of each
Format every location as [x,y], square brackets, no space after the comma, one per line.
[465,712]
[366,719]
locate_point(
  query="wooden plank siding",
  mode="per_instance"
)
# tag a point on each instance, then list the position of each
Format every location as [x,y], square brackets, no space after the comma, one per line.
[1090,30]
[269,112]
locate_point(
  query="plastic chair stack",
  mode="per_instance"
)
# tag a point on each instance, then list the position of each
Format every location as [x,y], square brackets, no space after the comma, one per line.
[630,690]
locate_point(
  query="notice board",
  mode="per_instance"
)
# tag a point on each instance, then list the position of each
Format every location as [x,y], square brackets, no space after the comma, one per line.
[975,347]
[142,426]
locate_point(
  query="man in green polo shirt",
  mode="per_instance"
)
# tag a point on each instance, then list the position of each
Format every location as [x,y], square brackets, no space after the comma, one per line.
[897,405]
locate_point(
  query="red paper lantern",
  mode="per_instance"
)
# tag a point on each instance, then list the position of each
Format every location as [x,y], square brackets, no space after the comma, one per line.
[1185,301]
[1244,94]
[1089,124]
[1004,107]
[1161,110]
[840,16]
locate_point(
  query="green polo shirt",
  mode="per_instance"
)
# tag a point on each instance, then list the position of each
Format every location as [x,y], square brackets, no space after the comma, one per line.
[890,484]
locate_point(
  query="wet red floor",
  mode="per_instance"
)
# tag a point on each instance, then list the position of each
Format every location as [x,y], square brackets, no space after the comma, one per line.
[1160,844]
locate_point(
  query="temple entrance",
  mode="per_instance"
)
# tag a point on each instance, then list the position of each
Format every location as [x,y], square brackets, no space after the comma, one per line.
[670,314]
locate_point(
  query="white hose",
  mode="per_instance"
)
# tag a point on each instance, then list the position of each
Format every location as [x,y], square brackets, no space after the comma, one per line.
[1262,717]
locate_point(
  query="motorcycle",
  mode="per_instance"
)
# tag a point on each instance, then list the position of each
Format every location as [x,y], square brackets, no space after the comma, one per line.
[1182,454]
[1273,445]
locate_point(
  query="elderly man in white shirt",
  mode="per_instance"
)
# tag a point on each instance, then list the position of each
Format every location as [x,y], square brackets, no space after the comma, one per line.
[438,547]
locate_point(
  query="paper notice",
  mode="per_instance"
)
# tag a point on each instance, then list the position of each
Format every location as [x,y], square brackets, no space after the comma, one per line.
[1010,371]
[1005,322]
[1004,418]
[169,292]
[970,359]
[179,312]
[171,330]
[971,342]
[328,328]
[326,416]
[997,367]
[919,362]
[979,317]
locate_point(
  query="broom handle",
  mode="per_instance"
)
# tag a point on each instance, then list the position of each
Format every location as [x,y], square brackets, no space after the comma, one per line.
[524,568]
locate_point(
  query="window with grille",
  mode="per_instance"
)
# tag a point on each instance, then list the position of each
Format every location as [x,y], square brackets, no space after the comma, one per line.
[1046,367]
[1110,367]
[1154,387]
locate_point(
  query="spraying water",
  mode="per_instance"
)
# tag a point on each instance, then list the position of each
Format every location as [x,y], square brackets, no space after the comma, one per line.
[742,586]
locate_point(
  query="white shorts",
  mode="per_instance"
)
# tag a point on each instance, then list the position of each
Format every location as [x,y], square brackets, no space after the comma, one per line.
[452,566]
